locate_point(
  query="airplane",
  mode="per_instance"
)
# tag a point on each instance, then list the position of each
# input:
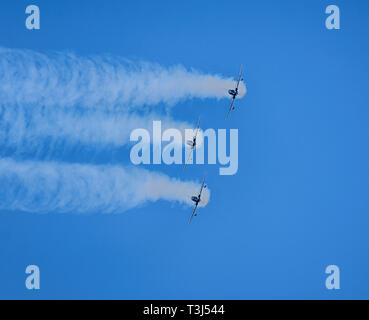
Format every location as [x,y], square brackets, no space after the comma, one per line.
[192,143]
[197,200]
[234,93]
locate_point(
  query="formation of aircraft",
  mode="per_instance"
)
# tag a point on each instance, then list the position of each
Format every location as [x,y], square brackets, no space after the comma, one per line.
[234,93]
[192,143]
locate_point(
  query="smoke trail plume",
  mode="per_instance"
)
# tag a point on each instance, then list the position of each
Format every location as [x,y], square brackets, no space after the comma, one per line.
[34,128]
[43,187]
[66,80]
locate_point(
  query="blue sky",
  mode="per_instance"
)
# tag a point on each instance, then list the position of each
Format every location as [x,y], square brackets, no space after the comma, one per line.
[299,200]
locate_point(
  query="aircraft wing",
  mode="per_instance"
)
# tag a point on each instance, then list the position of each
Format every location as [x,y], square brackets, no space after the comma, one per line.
[189,157]
[197,127]
[239,77]
[202,186]
[198,123]
[230,108]
[193,213]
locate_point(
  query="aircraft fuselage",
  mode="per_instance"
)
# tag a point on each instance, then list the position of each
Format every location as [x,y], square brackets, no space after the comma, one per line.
[195,199]
[233,93]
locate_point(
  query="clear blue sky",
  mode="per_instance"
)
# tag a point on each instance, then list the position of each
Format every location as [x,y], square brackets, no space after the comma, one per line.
[300,199]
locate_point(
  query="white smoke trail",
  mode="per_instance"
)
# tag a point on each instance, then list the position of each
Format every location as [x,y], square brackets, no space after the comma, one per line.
[25,128]
[43,187]
[66,80]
